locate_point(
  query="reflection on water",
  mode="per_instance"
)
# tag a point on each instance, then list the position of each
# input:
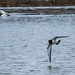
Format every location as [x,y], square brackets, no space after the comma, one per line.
[54,69]
[23,43]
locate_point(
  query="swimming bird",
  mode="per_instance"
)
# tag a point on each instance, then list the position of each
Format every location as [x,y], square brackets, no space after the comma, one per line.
[2,13]
[52,42]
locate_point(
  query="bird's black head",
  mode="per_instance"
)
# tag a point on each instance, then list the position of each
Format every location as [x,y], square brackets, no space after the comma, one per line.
[0,14]
[50,41]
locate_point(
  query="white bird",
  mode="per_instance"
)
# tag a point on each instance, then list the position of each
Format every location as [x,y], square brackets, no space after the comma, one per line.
[2,13]
[52,42]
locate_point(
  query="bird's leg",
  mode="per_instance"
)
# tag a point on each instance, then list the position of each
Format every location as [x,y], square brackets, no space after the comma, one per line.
[58,42]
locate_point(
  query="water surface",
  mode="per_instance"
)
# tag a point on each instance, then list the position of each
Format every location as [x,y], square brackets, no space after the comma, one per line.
[23,43]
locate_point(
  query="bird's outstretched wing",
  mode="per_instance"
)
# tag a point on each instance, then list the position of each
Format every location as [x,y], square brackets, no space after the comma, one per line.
[59,37]
[1,11]
[49,53]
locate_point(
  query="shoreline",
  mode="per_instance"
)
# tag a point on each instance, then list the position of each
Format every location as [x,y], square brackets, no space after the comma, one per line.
[41,10]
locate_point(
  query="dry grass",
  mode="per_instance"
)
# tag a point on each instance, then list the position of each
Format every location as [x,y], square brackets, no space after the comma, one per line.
[36,3]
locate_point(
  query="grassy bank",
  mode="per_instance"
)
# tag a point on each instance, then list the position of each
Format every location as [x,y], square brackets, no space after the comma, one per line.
[20,3]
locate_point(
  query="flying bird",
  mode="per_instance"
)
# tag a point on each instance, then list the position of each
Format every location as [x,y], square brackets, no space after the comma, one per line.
[52,42]
[2,13]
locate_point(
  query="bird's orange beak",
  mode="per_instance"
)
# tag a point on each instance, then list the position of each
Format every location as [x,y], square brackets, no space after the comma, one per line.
[48,41]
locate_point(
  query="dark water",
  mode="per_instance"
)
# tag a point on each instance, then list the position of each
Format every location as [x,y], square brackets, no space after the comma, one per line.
[23,43]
